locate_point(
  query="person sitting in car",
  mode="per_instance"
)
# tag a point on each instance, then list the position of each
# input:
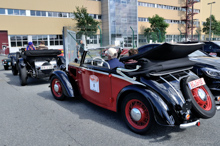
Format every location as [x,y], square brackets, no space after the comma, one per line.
[30,46]
[132,52]
[42,46]
[112,59]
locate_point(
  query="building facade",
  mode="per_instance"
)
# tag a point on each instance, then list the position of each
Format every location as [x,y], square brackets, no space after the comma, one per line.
[122,21]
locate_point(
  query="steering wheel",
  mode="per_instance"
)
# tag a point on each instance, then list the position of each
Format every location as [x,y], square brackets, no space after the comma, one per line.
[101,60]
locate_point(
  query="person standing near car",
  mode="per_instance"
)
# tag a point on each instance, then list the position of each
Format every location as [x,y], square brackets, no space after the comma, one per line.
[81,49]
[42,46]
[30,46]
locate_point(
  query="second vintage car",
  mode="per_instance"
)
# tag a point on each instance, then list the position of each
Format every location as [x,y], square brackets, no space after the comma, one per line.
[159,88]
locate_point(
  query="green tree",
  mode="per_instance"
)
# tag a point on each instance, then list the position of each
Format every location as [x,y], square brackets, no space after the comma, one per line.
[215,28]
[86,24]
[157,28]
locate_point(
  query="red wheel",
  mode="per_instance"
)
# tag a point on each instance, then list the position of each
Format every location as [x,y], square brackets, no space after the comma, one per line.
[56,88]
[202,97]
[137,113]
[203,104]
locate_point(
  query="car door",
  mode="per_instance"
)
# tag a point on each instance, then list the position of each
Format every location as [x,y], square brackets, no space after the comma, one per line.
[95,86]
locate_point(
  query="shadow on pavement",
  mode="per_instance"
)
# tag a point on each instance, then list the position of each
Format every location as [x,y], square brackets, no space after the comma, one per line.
[87,110]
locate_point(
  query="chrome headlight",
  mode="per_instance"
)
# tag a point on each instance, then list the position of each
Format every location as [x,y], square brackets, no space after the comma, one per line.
[211,72]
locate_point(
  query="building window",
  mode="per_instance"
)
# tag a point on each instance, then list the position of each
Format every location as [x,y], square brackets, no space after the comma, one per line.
[38,38]
[38,13]
[18,40]
[2,11]
[56,40]
[92,40]
[16,12]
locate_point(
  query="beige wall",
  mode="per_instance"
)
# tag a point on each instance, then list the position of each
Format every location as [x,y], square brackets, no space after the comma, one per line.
[94,7]
[30,25]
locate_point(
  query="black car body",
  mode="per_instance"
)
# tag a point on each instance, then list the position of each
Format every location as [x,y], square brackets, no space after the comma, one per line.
[6,63]
[37,64]
[144,48]
[212,48]
[207,67]
[158,89]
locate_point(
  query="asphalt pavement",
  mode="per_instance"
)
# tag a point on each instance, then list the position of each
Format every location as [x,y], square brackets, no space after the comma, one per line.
[30,116]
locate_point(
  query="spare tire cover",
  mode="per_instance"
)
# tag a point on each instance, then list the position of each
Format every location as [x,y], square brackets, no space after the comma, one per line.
[200,110]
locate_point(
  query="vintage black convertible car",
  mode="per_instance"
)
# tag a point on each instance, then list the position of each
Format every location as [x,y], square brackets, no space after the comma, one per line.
[36,64]
[159,88]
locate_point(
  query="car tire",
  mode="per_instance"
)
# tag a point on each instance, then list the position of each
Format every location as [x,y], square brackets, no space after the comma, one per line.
[202,108]
[13,67]
[14,70]
[6,67]
[57,88]
[143,121]
[23,75]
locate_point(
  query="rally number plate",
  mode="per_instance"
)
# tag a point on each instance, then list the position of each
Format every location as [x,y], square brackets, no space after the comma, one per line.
[46,67]
[196,83]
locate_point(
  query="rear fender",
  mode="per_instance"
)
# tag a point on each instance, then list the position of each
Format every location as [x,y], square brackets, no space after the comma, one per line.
[62,76]
[159,107]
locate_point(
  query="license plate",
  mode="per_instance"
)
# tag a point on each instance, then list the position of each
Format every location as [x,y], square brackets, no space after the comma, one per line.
[46,67]
[196,83]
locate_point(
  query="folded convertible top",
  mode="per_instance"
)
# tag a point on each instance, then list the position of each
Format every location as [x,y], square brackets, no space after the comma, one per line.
[40,53]
[167,51]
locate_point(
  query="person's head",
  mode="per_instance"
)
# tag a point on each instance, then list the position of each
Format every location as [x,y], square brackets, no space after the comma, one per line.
[132,52]
[112,53]
[81,42]
[30,44]
[42,43]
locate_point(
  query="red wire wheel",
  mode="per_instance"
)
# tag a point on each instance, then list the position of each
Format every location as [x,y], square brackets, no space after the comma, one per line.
[205,101]
[137,113]
[203,104]
[56,88]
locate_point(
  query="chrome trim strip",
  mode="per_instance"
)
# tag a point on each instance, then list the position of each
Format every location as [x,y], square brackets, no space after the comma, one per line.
[187,125]
[95,71]
[173,89]
[161,74]
[131,81]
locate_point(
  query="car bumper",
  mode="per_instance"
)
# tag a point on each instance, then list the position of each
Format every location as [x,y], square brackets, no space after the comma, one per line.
[191,124]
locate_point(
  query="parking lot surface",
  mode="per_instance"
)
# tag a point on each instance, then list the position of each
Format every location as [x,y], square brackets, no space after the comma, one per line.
[29,116]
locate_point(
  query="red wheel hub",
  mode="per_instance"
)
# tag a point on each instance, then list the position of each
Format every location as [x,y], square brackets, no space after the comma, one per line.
[137,114]
[202,98]
[56,88]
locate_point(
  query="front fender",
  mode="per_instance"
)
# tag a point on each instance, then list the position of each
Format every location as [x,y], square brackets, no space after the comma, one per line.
[13,60]
[160,108]
[21,62]
[68,89]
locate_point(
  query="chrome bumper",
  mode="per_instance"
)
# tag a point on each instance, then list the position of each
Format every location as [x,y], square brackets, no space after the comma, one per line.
[217,108]
[187,125]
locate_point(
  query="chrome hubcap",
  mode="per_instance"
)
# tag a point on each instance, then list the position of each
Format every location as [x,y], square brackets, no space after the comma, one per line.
[56,88]
[135,114]
[202,94]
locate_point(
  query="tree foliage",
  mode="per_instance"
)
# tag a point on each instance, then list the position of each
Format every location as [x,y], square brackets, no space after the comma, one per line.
[157,28]
[86,24]
[215,26]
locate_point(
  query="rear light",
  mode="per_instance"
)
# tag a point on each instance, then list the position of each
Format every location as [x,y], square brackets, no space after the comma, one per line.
[187,116]
[218,98]
[198,124]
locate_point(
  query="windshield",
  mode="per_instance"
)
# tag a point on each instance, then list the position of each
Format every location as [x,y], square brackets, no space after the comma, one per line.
[95,53]
[197,53]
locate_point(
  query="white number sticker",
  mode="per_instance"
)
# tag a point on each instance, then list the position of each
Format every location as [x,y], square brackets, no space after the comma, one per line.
[94,83]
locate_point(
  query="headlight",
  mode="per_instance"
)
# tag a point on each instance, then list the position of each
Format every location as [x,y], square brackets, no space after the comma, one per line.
[211,72]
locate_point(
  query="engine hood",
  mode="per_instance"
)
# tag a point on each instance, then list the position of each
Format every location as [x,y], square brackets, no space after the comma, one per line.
[207,61]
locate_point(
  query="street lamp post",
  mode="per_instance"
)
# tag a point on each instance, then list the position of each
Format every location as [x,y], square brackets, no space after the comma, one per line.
[210,19]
